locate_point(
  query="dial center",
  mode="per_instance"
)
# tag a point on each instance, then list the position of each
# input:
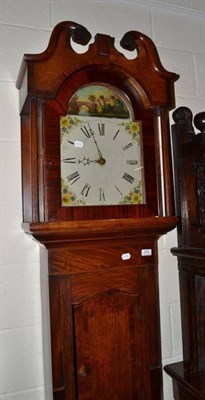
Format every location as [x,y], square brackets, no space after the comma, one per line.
[101,161]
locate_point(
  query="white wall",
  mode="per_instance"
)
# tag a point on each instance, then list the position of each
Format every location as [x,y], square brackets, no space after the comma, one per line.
[178,29]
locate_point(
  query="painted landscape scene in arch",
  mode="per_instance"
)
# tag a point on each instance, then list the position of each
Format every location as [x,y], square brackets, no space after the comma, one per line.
[98,100]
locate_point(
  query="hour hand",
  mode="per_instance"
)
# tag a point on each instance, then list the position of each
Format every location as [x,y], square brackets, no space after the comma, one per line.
[87,161]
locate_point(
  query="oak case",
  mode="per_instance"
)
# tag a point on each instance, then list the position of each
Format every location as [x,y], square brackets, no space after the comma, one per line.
[103,289]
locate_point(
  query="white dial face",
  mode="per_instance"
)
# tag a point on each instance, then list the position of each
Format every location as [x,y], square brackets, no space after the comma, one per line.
[101,161]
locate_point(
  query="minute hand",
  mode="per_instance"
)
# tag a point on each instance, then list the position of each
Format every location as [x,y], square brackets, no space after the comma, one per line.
[93,136]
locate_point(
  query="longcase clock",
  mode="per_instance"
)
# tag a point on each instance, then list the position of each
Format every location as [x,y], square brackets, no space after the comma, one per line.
[97,193]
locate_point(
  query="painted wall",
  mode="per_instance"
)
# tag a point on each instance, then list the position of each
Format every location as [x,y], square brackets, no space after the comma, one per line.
[178,29]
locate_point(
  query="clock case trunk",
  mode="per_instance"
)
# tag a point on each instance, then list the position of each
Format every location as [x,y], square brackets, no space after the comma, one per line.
[104,309]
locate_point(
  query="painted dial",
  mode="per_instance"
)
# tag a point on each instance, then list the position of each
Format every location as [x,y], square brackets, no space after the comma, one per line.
[101,161]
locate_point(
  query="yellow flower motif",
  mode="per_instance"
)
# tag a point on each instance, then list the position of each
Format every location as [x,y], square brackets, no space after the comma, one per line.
[136,198]
[135,127]
[64,122]
[66,199]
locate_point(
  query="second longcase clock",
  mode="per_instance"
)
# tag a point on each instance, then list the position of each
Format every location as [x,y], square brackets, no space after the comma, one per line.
[97,192]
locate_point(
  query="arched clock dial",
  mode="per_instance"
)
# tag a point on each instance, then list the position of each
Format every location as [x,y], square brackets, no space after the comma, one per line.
[101,161]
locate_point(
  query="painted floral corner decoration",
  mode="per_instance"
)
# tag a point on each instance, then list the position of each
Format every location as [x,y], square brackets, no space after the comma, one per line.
[68,196]
[134,129]
[135,195]
[66,123]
